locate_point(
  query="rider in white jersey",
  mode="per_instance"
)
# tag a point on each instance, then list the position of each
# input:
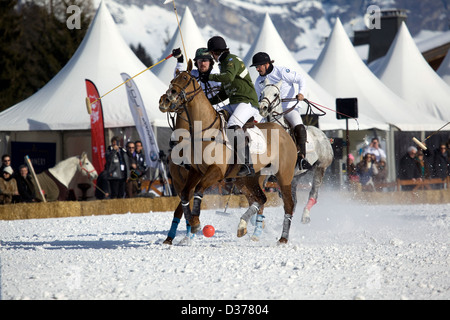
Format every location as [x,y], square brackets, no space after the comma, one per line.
[204,63]
[292,81]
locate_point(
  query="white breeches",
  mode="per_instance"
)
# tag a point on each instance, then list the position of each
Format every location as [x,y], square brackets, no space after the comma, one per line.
[293,118]
[240,113]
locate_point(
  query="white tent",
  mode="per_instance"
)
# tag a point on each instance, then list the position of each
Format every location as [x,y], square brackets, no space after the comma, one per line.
[101,57]
[341,71]
[405,71]
[269,41]
[192,39]
[444,69]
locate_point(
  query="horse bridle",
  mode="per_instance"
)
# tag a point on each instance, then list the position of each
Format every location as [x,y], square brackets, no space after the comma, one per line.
[82,168]
[183,97]
[276,101]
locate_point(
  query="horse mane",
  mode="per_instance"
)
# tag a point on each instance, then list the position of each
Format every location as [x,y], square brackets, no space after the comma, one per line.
[62,163]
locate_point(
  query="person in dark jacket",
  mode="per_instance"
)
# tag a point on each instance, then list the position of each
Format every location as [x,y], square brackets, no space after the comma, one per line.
[441,164]
[24,185]
[102,191]
[237,86]
[408,169]
[116,168]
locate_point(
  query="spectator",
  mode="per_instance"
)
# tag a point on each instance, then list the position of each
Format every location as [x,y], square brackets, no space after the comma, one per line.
[408,169]
[116,168]
[352,175]
[441,164]
[131,184]
[366,170]
[25,185]
[141,164]
[424,167]
[6,161]
[8,186]
[381,177]
[374,148]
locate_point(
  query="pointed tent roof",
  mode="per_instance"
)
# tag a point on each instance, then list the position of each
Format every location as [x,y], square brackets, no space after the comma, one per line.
[341,71]
[101,57]
[192,39]
[444,69]
[270,41]
[405,71]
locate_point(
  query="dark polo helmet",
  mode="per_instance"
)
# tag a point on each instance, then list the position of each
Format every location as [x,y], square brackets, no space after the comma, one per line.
[216,43]
[202,53]
[260,58]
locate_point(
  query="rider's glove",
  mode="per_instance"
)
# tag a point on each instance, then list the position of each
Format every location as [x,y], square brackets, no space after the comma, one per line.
[177,54]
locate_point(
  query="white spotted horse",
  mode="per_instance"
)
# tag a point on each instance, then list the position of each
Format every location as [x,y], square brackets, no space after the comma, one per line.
[318,147]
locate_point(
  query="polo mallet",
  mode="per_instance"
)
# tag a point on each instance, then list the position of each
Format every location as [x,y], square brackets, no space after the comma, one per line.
[33,173]
[88,101]
[224,212]
[421,143]
[179,27]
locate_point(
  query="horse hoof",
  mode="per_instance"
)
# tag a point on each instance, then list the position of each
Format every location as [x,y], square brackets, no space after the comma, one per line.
[282,240]
[242,228]
[306,220]
[168,241]
[194,222]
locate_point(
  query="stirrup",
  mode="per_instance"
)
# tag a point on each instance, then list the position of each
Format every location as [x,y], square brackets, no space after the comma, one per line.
[304,164]
[246,170]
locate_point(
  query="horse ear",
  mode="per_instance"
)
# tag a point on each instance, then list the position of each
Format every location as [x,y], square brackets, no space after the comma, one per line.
[266,82]
[83,155]
[189,66]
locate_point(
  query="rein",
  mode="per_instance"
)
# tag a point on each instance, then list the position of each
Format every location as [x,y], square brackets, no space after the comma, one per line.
[82,168]
[186,98]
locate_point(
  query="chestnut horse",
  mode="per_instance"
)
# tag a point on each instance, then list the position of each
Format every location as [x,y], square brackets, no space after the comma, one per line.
[202,149]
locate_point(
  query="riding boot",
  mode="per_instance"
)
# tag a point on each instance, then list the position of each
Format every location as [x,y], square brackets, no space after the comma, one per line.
[247,167]
[300,138]
[241,150]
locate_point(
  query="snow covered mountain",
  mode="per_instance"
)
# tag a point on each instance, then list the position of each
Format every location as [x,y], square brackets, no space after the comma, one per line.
[303,24]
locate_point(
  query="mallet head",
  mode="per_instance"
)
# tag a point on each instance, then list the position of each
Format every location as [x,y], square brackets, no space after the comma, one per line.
[88,105]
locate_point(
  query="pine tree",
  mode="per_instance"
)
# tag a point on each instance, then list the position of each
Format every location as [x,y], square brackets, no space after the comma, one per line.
[35,44]
[10,54]
[142,54]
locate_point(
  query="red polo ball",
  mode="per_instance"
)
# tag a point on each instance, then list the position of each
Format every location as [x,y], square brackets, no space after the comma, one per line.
[208,231]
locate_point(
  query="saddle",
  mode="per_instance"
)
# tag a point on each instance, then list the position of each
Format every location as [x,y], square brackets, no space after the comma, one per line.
[257,140]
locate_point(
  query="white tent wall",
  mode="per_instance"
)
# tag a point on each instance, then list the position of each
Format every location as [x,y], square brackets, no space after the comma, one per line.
[444,69]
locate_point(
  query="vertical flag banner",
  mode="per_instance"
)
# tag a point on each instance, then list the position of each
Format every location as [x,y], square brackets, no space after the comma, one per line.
[97,127]
[143,125]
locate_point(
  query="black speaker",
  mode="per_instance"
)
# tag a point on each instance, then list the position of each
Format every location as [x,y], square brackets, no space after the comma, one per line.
[346,108]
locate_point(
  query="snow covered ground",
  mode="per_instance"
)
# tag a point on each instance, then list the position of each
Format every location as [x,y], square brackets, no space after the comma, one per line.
[348,251]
